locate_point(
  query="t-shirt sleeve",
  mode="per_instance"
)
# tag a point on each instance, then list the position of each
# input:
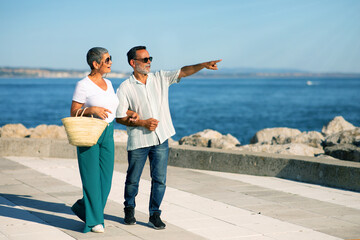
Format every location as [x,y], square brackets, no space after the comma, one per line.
[123,103]
[170,76]
[79,93]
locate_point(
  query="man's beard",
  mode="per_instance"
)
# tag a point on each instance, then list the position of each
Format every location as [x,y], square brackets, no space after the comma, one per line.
[142,70]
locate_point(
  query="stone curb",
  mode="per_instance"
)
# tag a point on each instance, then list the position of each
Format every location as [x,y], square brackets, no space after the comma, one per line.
[323,171]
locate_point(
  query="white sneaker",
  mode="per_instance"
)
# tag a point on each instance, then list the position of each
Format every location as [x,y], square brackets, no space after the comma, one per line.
[98,229]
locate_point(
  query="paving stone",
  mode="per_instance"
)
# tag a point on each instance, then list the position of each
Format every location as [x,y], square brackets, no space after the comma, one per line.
[343,232]
[23,174]
[7,180]
[291,214]
[320,222]
[352,218]
[6,164]
[197,205]
[18,190]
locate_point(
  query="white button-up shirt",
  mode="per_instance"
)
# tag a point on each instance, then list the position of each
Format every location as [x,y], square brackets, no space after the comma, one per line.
[150,100]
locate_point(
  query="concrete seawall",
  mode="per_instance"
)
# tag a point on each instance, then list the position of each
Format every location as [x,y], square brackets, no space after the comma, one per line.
[327,172]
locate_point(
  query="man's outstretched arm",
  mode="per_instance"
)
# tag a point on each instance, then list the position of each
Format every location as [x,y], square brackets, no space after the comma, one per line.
[190,70]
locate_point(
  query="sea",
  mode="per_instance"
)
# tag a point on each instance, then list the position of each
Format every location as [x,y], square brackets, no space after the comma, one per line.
[239,107]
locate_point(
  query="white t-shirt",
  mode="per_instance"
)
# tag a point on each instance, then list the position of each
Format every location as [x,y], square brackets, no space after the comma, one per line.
[87,92]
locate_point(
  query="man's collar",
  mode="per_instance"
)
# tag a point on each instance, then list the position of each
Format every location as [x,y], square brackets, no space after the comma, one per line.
[133,79]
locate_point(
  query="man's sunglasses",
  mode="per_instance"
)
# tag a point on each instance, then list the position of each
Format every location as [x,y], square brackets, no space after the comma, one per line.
[108,59]
[145,60]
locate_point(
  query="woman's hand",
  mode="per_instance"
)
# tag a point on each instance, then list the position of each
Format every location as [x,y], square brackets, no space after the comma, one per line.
[133,116]
[98,111]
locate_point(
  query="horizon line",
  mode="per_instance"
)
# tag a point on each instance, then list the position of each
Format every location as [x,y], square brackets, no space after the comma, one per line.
[234,70]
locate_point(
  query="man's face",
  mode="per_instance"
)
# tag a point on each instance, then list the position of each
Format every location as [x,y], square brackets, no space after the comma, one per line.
[140,65]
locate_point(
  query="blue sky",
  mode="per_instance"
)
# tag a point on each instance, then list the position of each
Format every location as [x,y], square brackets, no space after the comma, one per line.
[310,35]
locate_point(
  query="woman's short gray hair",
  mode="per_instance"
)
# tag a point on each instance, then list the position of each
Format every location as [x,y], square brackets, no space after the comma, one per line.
[95,54]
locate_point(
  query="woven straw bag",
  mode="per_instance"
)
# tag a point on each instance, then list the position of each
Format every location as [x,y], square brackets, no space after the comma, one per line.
[83,131]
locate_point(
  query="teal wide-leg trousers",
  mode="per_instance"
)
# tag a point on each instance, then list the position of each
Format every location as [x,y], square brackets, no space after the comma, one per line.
[96,165]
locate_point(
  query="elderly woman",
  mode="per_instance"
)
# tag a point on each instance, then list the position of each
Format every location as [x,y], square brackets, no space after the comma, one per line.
[95,95]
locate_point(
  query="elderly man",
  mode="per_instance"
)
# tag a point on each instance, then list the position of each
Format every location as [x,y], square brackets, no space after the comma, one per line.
[147,94]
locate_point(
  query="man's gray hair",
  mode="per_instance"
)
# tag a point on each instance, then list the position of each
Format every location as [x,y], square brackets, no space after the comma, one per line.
[95,54]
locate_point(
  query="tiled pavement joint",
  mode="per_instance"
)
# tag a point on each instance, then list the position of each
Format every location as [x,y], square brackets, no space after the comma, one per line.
[36,195]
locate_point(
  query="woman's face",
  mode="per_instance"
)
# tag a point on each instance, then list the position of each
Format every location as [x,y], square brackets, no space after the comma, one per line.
[105,63]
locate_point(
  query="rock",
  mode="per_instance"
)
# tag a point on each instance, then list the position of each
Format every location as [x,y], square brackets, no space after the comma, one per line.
[225,142]
[293,142]
[300,149]
[14,131]
[274,135]
[312,139]
[288,149]
[210,138]
[200,139]
[345,137]
[49,131]
[120,136]
[344,145]
[258,147]
[344,151]
[208,133]
[279,140]
[338,124]
[195,140]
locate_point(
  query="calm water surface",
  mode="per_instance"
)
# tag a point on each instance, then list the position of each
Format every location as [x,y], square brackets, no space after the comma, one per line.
[240,107]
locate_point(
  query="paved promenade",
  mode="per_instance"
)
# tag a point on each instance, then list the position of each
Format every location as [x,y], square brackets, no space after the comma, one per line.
[36,195]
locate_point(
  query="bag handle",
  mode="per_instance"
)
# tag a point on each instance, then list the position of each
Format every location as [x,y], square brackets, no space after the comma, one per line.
[81,113]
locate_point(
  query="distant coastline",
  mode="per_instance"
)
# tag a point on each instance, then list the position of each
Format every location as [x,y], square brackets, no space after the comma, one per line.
[12,72]
[8,72]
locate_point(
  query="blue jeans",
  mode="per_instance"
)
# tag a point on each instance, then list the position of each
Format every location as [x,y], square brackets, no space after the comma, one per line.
[158,157]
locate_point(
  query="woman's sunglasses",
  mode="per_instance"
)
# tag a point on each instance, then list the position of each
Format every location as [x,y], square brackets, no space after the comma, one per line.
[108,59]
